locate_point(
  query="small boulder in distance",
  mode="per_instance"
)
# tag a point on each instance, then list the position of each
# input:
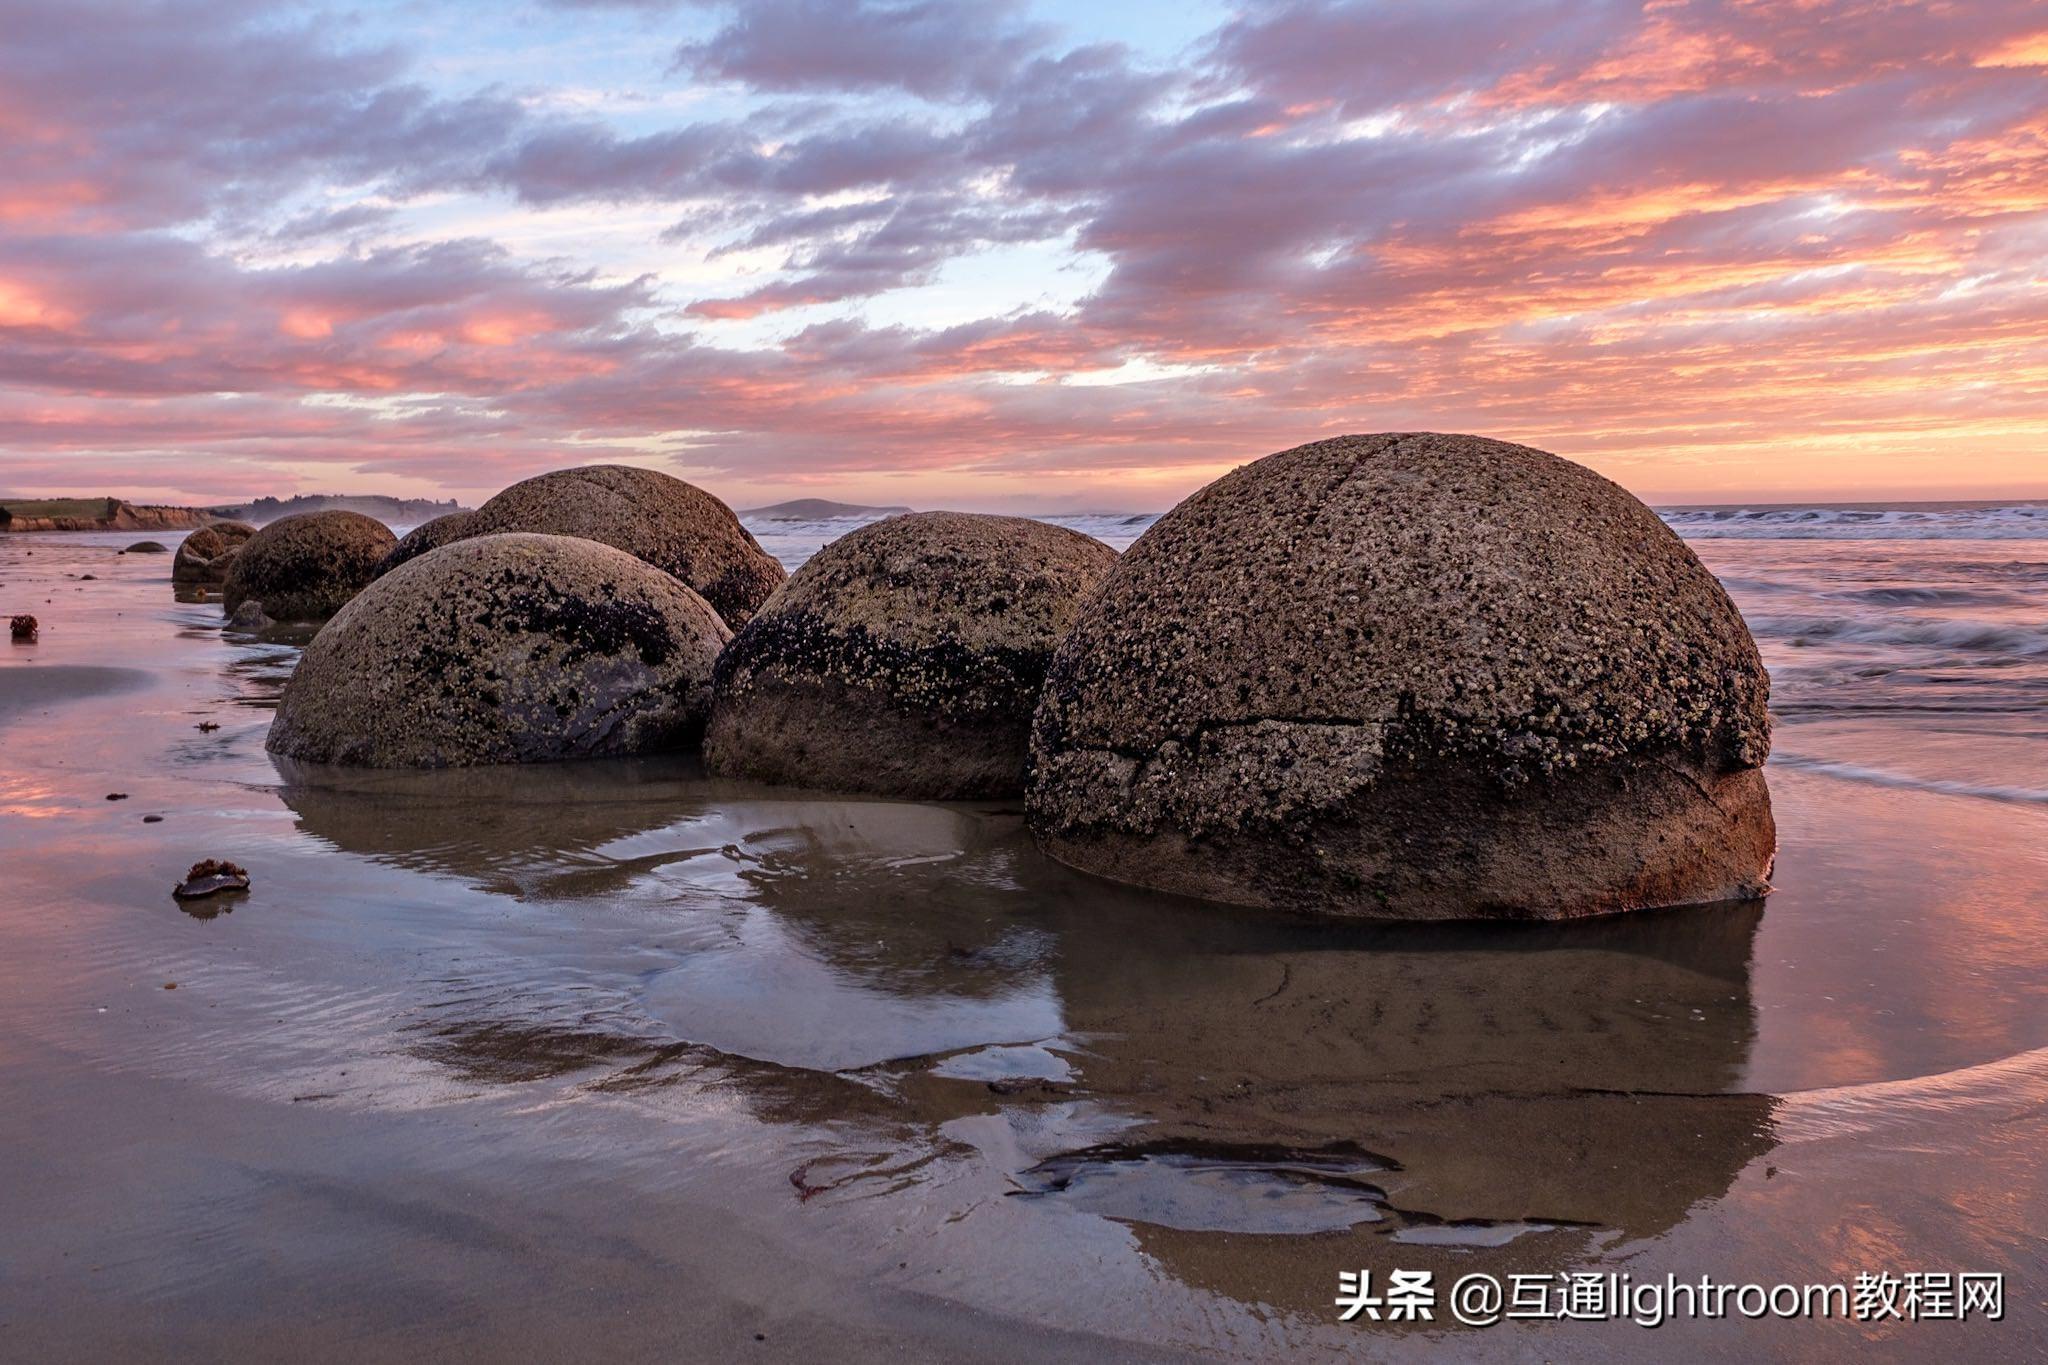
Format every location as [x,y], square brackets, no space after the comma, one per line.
[429,535]
[203,557]
[306,567]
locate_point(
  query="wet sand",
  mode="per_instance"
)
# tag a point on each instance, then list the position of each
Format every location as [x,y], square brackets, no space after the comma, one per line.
[612,1059]
[29,693]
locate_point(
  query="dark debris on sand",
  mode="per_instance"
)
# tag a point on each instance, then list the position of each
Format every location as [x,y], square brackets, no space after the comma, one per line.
[210,878]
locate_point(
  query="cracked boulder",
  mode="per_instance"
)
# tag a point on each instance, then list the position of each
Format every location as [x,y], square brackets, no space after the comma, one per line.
[505,649]
[675,526]
[306,567]
[905,658]
[204,556]
[1410,676]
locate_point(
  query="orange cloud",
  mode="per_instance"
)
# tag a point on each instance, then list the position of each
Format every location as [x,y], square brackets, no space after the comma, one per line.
[2027,50]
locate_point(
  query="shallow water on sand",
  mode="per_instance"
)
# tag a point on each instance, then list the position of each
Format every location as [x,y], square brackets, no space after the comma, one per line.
[615,1059]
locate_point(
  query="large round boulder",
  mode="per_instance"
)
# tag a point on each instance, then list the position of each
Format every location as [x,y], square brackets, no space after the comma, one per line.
[1411,676]
[505,649]
[204,556]
[673,525]
[306,567]
[429,535]
[905,658]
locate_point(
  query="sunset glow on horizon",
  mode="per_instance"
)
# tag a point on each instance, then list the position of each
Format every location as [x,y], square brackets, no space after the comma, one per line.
[991,253]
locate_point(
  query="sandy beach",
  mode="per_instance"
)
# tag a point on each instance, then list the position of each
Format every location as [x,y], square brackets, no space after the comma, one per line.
[590,1059]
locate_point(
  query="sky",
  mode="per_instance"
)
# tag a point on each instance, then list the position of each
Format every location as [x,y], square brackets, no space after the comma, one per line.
[1014,255]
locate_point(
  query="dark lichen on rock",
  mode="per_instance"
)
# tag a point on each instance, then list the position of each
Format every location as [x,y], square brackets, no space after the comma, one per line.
[512,648]
[905,658]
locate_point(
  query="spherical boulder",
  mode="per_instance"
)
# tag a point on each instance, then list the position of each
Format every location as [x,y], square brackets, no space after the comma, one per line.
[672,525]
[204,556]
[306,567]
[905,658]
[430,535]
[1410,676]
[505,649]
[147,547]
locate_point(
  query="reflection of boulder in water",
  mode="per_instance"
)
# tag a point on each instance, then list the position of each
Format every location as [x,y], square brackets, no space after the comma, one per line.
[1527,1081]
[916,896]
[1575,1073]
[1488,1186]
[505,829]
[872,931]
[1421,1011]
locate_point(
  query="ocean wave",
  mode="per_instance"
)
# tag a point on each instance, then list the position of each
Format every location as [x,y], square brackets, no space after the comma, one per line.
[2015,521]
[1741,587]
[1929,597]
[793,542]
[1117,528]
[1968,637]
[1883,777]
[1997,1092]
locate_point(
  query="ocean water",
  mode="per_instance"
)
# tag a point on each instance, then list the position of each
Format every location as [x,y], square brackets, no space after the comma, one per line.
[794,541]
[615,1058]
[1864,521]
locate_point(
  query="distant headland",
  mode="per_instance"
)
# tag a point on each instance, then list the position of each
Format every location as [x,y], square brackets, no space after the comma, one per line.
[95,514]
[117,514]
[818,509]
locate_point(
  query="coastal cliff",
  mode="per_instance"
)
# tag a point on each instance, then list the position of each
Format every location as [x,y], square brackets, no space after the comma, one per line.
[96,514]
